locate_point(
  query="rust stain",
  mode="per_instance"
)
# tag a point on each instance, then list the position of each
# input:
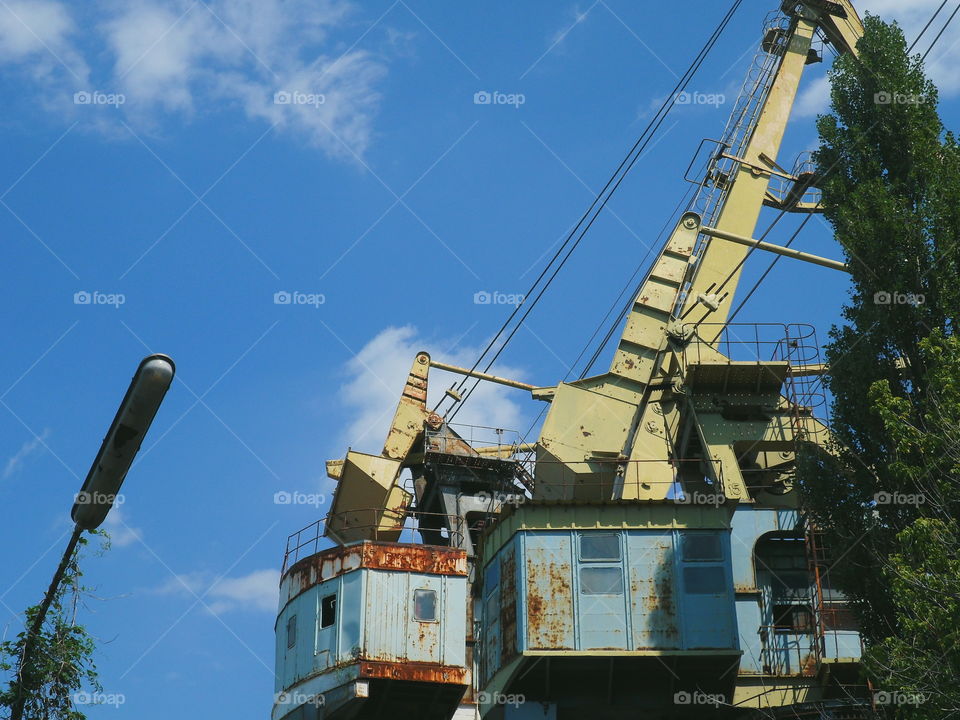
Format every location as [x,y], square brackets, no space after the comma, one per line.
[375,555]
[508,605]
[414,672]
[548,592]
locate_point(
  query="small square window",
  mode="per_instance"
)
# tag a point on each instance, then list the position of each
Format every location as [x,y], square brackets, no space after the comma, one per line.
[328,611]
[291,631]
[600,547]
[792,619]
[425,605]
[704,580]
[601,581]
[699,547]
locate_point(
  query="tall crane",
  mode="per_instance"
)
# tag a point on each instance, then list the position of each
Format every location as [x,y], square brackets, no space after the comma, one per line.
[649,542]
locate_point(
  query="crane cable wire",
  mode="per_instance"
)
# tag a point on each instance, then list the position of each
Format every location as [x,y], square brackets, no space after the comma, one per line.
[927,27]
[773,262]
[599,203]
[942,30]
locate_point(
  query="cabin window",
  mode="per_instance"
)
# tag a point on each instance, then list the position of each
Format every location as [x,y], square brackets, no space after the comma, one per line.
[328,611]
[291,631]
[600,547]
[601,581]
[702,548]
[425,605]
[708,580]
[792,619]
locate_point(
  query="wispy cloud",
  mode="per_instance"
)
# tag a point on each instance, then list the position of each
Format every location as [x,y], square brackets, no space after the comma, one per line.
[257,590]
[121,532]
[376,376]
[271,61]
[15,462]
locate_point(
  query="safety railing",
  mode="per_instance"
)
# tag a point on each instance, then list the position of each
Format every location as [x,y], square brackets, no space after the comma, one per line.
[793,343]
[375,524]
[477,436]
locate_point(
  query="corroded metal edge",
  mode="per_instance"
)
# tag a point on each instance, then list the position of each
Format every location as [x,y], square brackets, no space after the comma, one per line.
[414,672]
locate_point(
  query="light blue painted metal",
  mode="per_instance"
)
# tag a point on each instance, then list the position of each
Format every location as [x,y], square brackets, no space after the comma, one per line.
[369,611]
[609,590]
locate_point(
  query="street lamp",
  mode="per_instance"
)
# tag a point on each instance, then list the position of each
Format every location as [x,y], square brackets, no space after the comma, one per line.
[120,445]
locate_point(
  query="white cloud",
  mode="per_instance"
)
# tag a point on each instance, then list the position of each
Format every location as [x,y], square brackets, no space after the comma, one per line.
[912,15]
[814,98]
[377,374]
[15,462]
[121,533]
[238,55]
[174,59]
[257,590]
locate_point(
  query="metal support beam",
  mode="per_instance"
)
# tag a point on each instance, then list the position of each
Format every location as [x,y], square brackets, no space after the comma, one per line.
[776,249]
[482,375]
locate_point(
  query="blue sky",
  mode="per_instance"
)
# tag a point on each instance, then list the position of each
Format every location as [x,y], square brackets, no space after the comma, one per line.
[148,156]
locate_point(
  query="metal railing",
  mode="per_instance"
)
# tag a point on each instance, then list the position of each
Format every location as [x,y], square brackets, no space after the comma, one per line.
[477,436]
[793,343]
[313,538]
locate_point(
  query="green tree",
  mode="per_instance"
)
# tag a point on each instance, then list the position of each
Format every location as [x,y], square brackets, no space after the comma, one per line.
[888,497]
[62,659]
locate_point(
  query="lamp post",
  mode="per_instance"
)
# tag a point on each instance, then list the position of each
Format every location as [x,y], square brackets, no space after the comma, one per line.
[120,445]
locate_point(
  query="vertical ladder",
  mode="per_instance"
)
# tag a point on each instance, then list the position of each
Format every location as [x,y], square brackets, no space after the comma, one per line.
[818,564]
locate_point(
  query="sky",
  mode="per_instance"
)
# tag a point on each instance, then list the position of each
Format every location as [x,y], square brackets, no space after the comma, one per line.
[291,199]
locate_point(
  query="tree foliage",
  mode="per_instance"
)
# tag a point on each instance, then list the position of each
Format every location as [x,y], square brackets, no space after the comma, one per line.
[61,662]
[888,496]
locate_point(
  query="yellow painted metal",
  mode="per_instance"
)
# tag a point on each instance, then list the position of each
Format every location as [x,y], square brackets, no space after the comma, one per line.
[482,375]
[843,32]
[368,504]
[505,451]
[777,249]
[411,412]
[719,266]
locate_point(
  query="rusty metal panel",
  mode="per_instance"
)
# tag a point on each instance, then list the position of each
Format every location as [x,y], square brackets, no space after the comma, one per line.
[414,672]
[508,604]
[548,573]
[428,559]
[600,590]
[340,559]
[706,589]
[392,632]
[651,578]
